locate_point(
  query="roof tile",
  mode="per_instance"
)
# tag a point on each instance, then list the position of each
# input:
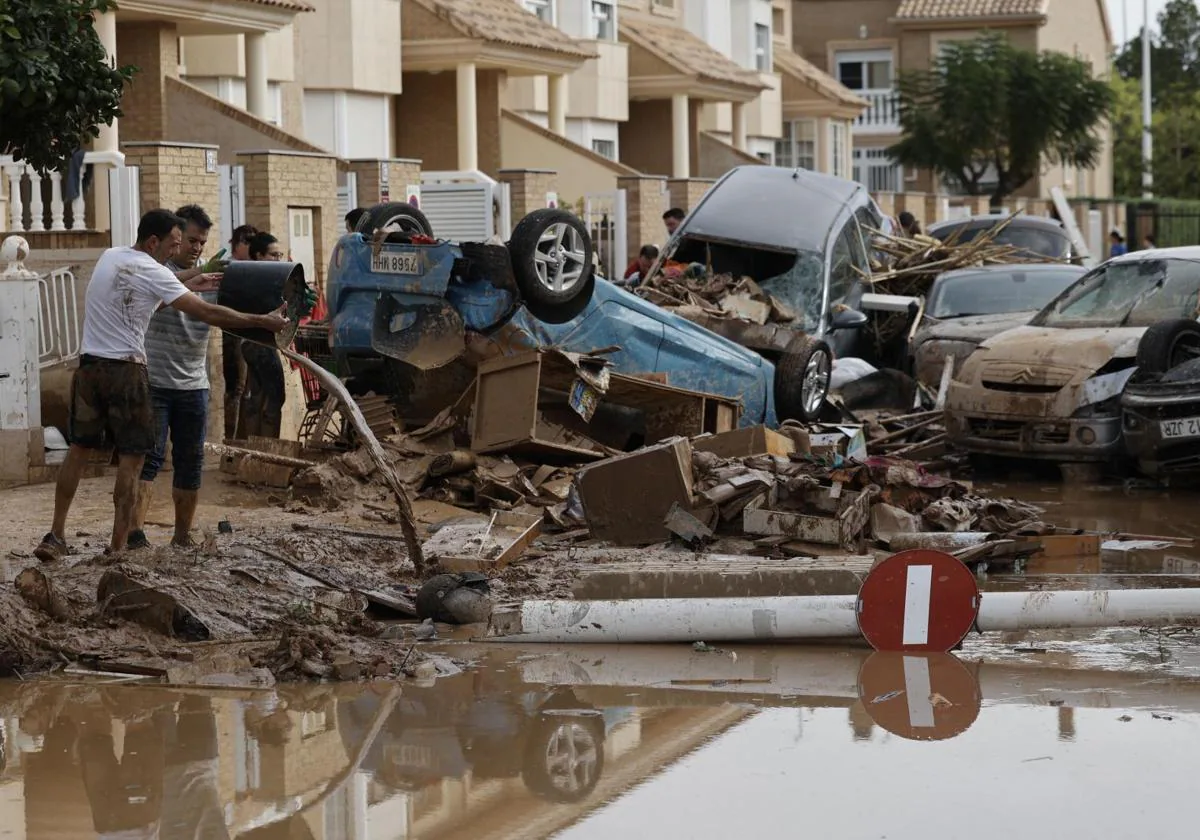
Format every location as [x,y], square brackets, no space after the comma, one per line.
[934,9]
[293,5]
[505,22]
[686,52]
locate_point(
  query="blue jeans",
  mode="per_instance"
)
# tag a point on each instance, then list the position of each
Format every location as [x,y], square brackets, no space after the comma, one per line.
[182,416]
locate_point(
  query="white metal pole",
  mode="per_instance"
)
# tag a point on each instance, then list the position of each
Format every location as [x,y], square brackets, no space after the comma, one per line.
[1147,116]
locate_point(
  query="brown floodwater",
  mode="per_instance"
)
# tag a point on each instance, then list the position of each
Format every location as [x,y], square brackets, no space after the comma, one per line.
[597,742]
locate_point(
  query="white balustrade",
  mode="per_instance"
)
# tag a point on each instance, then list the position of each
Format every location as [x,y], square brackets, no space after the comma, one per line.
[882,115]
[16,173]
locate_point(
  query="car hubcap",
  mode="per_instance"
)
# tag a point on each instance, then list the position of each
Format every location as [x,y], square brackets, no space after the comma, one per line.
[571,757]
[816,382]
[560,258]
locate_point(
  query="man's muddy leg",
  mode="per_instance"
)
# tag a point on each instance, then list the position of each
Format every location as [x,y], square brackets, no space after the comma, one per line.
[129,467]
[69,474]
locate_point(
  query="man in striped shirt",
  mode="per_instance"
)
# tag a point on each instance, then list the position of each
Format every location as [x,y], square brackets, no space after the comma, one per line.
[177,363]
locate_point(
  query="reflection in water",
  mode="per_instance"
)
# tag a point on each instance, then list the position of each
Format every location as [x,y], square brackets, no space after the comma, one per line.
[504,752]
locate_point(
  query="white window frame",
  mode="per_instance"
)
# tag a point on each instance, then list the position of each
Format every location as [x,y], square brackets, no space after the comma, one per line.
[788,148]
[762,49]
[598,142]
[602,14]
[874,170]
[865,57]
[543,10]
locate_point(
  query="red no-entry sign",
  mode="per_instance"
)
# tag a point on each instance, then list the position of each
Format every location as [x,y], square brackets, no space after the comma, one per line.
[919,696]
[918,600]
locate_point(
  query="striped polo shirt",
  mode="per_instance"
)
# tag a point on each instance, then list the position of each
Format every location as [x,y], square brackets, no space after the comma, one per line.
[177,348]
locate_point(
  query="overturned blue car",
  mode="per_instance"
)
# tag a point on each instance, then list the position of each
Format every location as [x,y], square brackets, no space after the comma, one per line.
[413,316]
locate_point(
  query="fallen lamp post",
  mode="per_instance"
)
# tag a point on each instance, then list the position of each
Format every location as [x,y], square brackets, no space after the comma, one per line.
[918,600]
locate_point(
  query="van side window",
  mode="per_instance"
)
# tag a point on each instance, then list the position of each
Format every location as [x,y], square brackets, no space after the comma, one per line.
[848,264]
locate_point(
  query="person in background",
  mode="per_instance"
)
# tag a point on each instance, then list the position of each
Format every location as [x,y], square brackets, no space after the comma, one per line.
[110,403]
[909,225]
[637,269]
[1149,242]
[1117,246]
[672,219]
[177,364]
[264,246]
[239,243]
[352,218]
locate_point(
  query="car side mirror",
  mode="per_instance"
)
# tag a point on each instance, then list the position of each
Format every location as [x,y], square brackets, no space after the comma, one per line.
[847,319]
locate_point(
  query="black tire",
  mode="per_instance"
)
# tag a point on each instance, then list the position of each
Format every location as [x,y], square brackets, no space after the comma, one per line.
[800,390]
[1167,344]
[551,248]
[406,217]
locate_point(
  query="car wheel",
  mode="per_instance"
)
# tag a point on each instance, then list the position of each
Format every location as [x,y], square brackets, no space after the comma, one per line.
[1167,344]
[802,379]
[552,260]
[396,215]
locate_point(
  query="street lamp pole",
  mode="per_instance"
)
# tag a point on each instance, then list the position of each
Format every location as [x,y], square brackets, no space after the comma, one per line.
[1147,134]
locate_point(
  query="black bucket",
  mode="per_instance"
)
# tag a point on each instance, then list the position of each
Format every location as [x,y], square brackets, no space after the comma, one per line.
[259,287]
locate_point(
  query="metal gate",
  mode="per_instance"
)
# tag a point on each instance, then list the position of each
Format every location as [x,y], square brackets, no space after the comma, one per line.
[605,217]
[1171,223]
[232,180]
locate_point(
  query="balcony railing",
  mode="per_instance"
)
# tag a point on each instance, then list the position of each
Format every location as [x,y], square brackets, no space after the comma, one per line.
[35,199]
[882,115]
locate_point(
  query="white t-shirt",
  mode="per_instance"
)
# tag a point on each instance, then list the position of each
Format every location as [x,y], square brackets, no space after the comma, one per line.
[126,288]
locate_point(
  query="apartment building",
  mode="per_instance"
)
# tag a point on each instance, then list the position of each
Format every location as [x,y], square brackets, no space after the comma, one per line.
[866,44]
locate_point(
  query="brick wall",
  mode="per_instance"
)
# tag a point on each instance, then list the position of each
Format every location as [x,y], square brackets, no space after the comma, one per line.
[401,173]
[276,181]
[645,204]
[174,174]
[685,193]
[153,48]
[527,189]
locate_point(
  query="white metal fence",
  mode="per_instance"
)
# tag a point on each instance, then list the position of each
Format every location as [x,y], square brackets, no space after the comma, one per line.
[605,217]
[467,206]
[60,325]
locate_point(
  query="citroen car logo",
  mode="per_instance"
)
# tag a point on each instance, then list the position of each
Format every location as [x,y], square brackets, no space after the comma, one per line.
[1023,375]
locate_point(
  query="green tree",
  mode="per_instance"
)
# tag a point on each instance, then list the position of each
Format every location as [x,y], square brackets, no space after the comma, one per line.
[57,85]
[989,109]
[1174,55]
[1127,136]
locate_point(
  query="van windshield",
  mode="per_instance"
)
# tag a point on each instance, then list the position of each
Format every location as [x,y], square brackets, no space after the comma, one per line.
[1128,294]
[802,287]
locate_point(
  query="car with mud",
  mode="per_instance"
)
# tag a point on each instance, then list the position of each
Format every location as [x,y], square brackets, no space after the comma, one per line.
[805,239]
[1034,237]
[1160,408]
[968,305]
[1052,389]
[413,316]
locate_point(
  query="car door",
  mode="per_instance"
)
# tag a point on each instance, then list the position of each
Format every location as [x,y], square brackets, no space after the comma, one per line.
[847,265]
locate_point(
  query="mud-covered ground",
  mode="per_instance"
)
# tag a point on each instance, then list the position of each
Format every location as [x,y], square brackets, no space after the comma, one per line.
[280,596]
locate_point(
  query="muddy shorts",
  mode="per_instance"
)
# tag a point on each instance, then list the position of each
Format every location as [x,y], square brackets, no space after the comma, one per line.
[110,406]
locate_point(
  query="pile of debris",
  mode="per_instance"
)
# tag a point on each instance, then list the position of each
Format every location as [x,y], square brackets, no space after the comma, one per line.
[693,291]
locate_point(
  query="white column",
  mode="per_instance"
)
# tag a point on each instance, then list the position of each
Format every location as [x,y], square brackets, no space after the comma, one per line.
[681,137]
[468,121]
[16,207]
[558,105]
[106,29]
[257,98]
[37,208]
[739,127]
[56,202]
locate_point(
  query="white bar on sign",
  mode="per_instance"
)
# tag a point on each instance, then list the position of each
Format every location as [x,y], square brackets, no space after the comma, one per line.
[916,605]
[917,689]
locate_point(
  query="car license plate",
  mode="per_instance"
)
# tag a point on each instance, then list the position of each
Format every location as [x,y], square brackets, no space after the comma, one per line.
[396,263]
[1185,427]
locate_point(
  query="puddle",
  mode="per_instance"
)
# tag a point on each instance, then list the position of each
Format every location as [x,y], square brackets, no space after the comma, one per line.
[600,742]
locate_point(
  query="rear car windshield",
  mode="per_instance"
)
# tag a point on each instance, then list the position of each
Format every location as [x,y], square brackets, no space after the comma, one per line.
[1033,241]
[1128,294]
[998,292]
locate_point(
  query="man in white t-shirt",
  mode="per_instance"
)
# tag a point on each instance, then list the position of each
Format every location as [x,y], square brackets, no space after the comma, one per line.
[110,392]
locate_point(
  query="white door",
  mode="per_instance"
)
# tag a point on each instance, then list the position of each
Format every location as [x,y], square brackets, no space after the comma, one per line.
[300,241]
[232,180]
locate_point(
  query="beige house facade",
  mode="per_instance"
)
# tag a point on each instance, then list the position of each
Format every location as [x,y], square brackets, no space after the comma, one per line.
[866,44]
